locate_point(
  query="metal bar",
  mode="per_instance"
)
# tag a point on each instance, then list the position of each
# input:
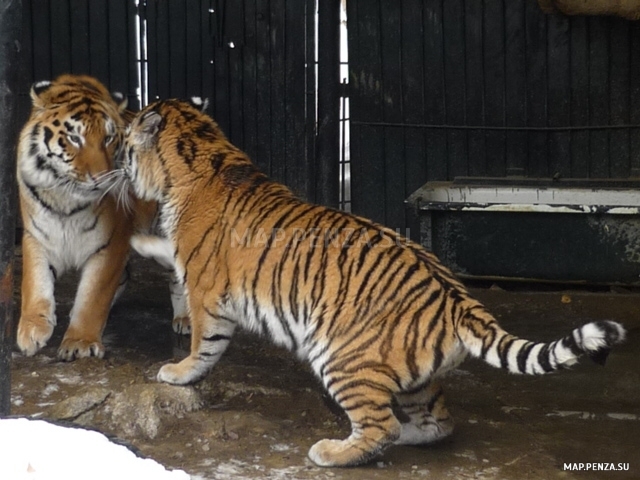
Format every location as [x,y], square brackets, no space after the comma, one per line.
[10,28]
[484,127]
[328,133]
[343,151]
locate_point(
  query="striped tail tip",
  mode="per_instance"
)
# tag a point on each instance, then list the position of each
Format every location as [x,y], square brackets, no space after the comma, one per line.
[597,338]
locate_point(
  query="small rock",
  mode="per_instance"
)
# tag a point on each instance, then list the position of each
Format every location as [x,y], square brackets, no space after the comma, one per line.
[72,407]
[139,409]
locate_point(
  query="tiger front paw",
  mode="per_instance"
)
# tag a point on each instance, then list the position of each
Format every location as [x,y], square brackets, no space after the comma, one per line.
[187,371]
[34,331]
[72,348]
[181,325]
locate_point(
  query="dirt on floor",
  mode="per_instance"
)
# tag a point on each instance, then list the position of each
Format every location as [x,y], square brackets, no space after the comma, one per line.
[258,412]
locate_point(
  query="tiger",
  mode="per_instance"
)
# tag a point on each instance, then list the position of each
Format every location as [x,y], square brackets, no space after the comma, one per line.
[378,318]
[71,216]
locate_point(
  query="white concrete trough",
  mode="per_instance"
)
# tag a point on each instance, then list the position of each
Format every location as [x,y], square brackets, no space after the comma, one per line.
[569,231]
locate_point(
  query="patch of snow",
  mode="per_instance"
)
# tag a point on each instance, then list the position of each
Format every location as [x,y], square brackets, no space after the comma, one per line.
[623,416]
[49,389]
[282,447]
[569,413]
[507,409]
[467,454]
[68,379]
[35,449]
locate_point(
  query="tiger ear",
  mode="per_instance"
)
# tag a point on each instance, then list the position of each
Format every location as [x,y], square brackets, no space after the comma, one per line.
[120,100]
[148,127]
[199,103]
[38,90]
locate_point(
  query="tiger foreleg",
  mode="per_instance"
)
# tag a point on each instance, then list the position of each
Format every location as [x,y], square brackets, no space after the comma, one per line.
[429,419]
[100,279]
[210,337]
[37,317]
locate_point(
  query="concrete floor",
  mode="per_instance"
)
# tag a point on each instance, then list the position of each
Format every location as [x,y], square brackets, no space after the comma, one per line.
[262,410]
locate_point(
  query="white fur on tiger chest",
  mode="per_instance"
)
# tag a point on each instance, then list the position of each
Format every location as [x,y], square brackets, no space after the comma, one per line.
[69,241]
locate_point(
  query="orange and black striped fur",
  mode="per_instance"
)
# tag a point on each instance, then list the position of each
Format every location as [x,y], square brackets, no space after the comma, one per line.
[71,217]
[377,317]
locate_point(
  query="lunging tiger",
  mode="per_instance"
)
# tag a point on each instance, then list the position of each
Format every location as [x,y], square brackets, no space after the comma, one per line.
[72,211]
[378,318]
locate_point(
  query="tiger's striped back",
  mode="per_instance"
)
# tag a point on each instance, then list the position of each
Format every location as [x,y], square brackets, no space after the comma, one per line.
[378,317]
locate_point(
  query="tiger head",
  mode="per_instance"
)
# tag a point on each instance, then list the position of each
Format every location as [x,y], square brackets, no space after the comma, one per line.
[72,137]
[158,134]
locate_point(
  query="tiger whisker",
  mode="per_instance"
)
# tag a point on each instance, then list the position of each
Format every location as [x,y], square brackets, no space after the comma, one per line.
[123,197]
[108,190]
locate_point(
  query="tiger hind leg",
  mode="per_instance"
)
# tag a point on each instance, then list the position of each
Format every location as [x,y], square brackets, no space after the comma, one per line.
[373,424]
[161,250]
[181,323]
[429,419]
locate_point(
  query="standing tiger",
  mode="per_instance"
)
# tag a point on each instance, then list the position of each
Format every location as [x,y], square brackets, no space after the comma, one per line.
[65,163]
[378,318]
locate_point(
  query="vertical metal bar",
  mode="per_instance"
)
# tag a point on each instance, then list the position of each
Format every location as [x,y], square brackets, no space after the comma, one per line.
[310,100]
[10,27]
[343,151]
[328,136]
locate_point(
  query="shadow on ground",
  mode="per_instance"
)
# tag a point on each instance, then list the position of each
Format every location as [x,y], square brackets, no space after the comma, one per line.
[259,410]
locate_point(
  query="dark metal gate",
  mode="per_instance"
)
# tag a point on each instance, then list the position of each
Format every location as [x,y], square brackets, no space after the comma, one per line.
[441,89]
[95,37]
[249,58]
[253,59]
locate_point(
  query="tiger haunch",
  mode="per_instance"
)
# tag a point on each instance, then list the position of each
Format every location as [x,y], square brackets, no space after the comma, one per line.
[378,318]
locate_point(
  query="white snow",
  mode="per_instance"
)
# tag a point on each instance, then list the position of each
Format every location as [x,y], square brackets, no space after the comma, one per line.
[39,450]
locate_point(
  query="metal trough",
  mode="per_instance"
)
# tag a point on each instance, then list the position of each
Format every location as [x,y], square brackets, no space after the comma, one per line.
[560,231]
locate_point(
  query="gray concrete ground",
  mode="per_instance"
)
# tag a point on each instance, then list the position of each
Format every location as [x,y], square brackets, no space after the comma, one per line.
[259,411]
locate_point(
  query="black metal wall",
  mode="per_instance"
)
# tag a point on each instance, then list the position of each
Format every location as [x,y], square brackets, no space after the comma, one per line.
[447,88]
[248,57]
[94,37]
